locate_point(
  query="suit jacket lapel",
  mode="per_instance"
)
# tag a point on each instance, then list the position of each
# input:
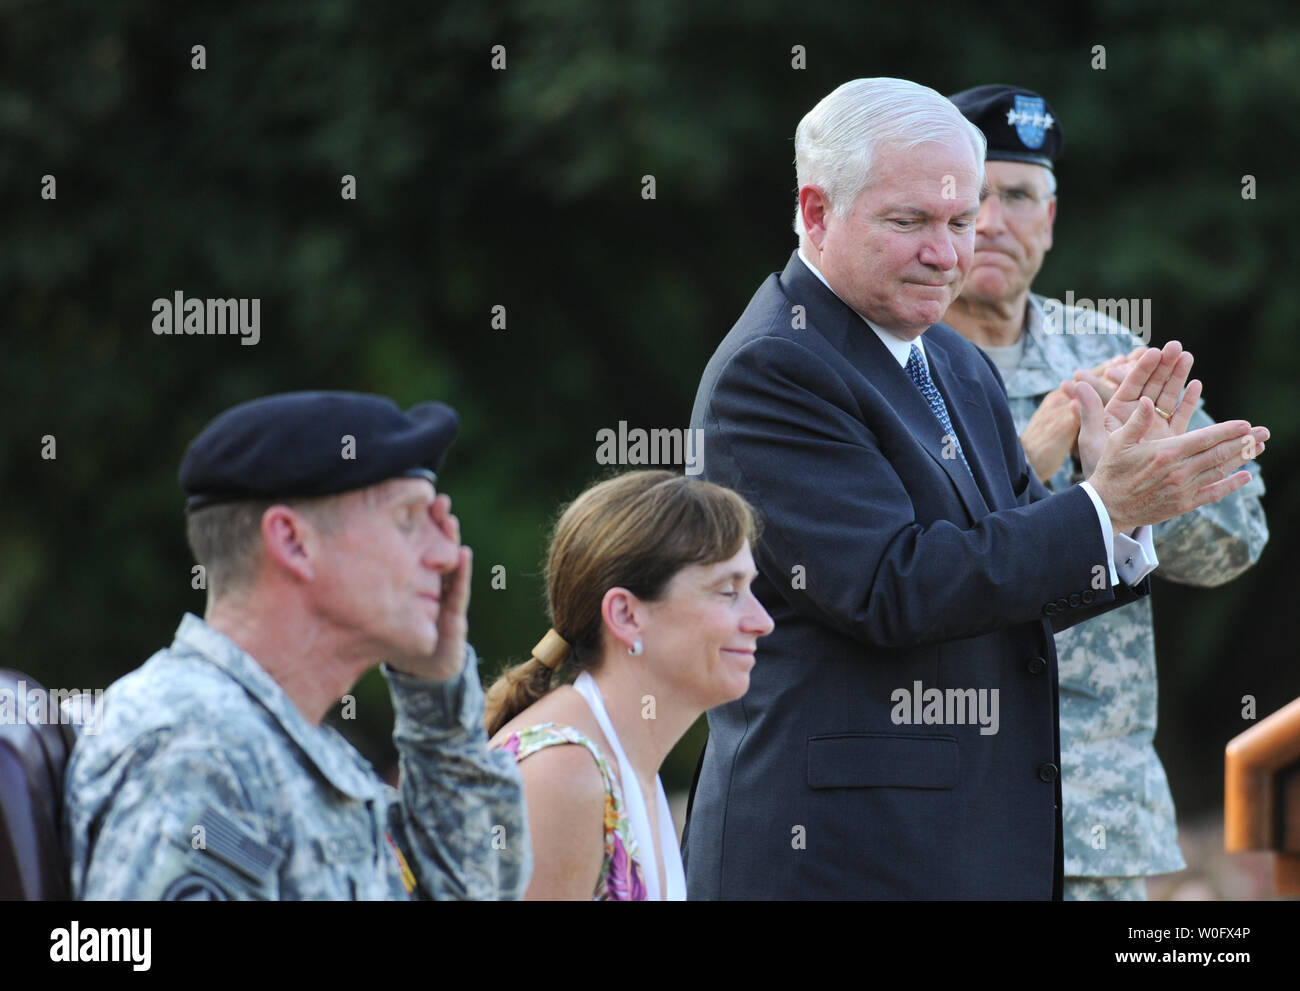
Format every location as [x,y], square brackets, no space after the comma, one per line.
[830,316]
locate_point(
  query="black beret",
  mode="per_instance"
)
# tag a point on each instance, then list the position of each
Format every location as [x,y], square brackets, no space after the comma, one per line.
[304,444]
[1020,125]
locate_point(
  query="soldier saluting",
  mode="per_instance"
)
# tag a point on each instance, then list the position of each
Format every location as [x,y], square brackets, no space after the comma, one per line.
[213,777]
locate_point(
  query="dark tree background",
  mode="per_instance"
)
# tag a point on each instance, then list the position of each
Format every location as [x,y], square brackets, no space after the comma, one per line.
[522,188]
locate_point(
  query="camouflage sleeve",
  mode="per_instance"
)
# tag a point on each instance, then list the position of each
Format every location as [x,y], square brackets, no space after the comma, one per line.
[462,810]
[176,828]
[1214,544]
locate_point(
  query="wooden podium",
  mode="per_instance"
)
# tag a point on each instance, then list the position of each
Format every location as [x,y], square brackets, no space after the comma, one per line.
[1261,793]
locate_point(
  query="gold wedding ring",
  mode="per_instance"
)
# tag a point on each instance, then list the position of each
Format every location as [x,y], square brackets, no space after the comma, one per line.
[1167,416]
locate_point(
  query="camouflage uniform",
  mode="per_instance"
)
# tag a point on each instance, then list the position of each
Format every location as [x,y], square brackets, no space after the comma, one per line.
[206,782]
[1119,814]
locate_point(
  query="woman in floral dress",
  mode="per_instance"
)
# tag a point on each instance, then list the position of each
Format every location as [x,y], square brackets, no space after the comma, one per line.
[652,622]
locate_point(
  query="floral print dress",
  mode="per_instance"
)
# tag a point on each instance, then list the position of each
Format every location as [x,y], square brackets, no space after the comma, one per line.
[621,879]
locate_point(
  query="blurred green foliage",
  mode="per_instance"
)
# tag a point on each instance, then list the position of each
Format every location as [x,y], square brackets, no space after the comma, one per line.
[522,188]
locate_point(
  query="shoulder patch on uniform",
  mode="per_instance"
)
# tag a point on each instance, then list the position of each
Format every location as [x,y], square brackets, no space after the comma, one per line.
[234,844]
[194,888]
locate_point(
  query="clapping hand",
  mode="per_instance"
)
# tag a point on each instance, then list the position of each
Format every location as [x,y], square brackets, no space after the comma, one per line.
[1136,450]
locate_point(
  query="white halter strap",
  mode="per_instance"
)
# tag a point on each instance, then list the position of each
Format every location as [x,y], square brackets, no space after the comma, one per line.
[634,803]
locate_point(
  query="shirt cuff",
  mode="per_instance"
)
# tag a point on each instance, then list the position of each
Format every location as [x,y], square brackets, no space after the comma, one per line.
[419,702]
[1135,557]
[1107,531]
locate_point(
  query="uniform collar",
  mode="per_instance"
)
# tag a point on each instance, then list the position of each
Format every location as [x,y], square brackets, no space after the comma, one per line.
[1034,376]
[333,756]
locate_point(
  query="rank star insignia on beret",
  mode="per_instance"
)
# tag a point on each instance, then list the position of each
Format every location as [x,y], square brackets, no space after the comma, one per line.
[306,444]
[1018,124]
[1031,119]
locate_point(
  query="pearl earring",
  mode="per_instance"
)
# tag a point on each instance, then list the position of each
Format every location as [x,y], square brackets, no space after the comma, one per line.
[636,649]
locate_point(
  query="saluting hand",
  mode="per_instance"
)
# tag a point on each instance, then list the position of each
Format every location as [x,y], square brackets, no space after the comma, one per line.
[454,565]
[453,617]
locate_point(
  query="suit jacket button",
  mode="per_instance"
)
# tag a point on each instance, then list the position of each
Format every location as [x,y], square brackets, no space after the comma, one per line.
[1049,609]
[1075,601]
[1062,603]
[1048,771]
[1036,665]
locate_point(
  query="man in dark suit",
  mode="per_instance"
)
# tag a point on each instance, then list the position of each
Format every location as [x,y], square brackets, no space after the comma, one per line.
[899,738]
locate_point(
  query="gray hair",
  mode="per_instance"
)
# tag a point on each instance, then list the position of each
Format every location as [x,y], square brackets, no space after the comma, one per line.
[226,538]
[836,143]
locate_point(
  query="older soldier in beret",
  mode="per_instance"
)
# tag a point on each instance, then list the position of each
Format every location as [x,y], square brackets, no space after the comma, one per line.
[327,551]
[1118,814]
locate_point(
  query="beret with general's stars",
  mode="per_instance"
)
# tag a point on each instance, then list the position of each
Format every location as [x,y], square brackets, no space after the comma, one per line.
[1019,124]
[306,444]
